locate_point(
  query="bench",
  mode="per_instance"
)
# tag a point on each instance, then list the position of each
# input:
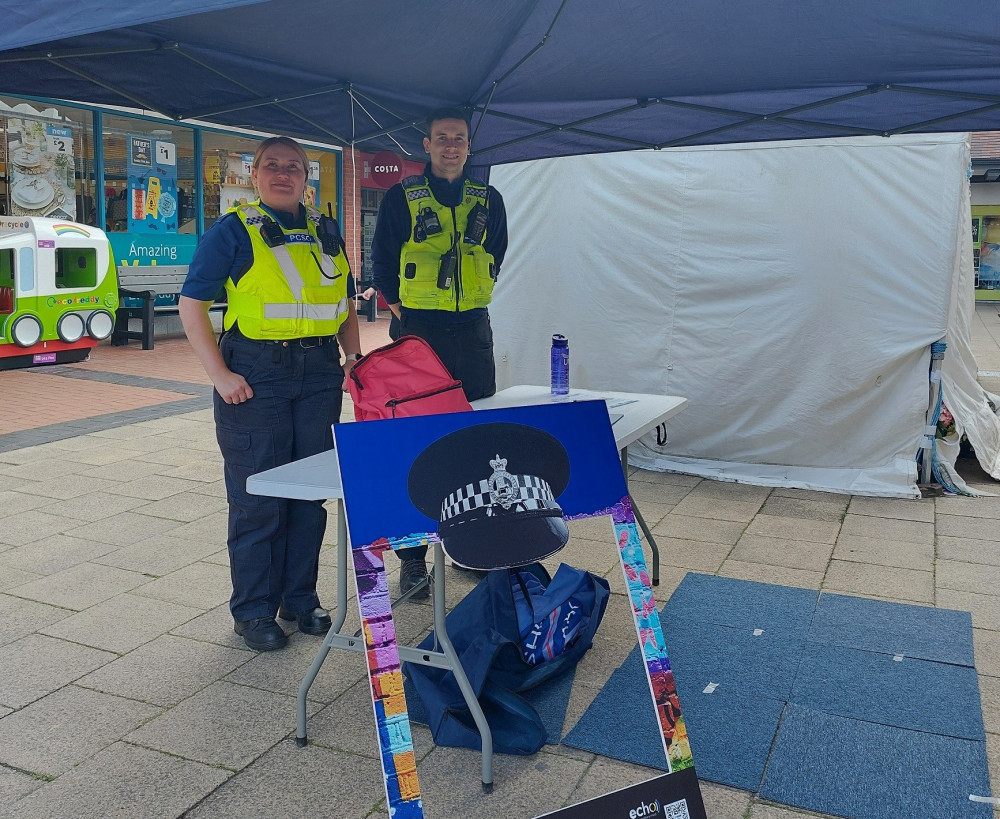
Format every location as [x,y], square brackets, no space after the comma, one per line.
[158,288]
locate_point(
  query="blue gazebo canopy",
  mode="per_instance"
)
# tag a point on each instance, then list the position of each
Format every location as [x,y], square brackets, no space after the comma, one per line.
[543,77]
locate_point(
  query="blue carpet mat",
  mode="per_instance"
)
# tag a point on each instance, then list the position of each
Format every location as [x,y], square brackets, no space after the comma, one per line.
[859,769]
[813,696]
[550,700]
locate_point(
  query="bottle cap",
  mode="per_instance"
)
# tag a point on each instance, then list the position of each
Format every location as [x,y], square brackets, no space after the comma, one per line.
[559,340]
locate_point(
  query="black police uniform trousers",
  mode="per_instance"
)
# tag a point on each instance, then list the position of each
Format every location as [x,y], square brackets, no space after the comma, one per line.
[466,350]
[274,543]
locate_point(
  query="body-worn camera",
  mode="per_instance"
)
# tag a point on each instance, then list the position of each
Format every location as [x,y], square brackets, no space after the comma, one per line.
[446,270]
[427,224]
[329,236]
[272,233]
[475,226]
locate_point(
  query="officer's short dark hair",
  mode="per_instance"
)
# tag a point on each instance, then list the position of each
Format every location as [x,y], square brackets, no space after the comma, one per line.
[453,112]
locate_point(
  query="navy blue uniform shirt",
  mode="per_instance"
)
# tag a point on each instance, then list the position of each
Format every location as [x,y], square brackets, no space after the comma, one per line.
[394,227]
[225,252]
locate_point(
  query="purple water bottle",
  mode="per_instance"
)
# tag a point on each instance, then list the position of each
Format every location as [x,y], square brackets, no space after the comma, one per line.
[560,364]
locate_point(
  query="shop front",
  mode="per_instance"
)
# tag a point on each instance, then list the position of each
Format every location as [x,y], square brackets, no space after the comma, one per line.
[152,184]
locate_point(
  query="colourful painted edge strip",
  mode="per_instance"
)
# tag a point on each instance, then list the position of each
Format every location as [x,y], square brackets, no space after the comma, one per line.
[399,767]
[659,675]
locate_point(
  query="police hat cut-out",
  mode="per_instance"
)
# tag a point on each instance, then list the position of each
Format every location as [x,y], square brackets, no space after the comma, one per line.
[493,489]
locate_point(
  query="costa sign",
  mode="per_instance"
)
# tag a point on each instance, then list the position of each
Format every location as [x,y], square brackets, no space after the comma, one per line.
[387,169]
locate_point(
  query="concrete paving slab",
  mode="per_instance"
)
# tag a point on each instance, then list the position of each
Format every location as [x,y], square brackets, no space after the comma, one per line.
[814,531]
[125,471]
[214,626]
[604,775]
[211,528]
[54,554]
[971,577]
[765,573]
[158,555]
[989,694]
[450,783]
[200,585]
[125,782]
[176,456]
[984,609]
[217,489]
[10,577]
[33,524]
[872,580]
[12,502]
[205,471]
[221,557]
[692,554]
[96,506]
[346,723]
[165,670]
[727,490]
[15,784]
[705,506]
[34,468]
[794,554]
[968,550]
[224,724]
[80,587]
[986,645]
[282,671]
[122,529]
[120,624]
[107,456]
[811,495]
[667,494]
[896,508]
[970,507]
[685,527]
[152,487]
[291,781]
[768,810]
[185,507]
[722,801]
[63,729]
[37,665]
[66,487]
[19,617]
[888,528]
[904,554]
[783,506]
[965,526]
[599,528]
[662,478]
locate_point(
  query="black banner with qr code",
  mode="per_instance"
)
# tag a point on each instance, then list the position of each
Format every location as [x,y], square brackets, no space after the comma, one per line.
[671,796]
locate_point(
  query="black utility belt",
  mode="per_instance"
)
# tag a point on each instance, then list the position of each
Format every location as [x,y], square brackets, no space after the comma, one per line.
[306,343]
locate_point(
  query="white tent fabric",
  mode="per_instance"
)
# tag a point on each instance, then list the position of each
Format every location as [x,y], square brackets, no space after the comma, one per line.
[790,291]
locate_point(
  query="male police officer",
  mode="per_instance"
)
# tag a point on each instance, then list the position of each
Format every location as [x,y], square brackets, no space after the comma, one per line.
[438,245]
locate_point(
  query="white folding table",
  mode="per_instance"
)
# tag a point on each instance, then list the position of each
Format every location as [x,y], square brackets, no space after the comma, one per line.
[318,478]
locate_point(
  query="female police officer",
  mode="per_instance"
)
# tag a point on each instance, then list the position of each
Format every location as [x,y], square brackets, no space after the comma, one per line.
[278,380]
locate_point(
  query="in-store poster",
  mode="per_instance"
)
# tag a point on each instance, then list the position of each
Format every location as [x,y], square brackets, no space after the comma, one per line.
[311,195]
[42,172]
[152,185]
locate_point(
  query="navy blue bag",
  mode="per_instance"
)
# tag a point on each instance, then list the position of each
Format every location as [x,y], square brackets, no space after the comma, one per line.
[514,630]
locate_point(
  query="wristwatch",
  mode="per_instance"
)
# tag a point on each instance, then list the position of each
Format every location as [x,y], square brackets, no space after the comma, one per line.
[354,356]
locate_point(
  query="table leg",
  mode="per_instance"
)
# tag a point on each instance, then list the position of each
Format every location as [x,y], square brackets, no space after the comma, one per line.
[448,650]
[642,523]
[338,621]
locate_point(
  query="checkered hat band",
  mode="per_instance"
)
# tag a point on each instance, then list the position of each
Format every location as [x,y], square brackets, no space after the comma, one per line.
[531,493]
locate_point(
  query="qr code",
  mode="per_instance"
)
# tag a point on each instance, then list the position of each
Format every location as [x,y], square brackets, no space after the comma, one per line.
[676,810]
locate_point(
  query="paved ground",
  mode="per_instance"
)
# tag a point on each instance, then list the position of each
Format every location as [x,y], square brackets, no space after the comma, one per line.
[124,692]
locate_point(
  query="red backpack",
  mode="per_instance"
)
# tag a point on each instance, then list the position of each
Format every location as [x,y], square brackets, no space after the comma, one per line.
[401,379]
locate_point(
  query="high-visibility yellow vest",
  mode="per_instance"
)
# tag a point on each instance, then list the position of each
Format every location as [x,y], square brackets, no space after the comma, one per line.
[420,261]
[291,290]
